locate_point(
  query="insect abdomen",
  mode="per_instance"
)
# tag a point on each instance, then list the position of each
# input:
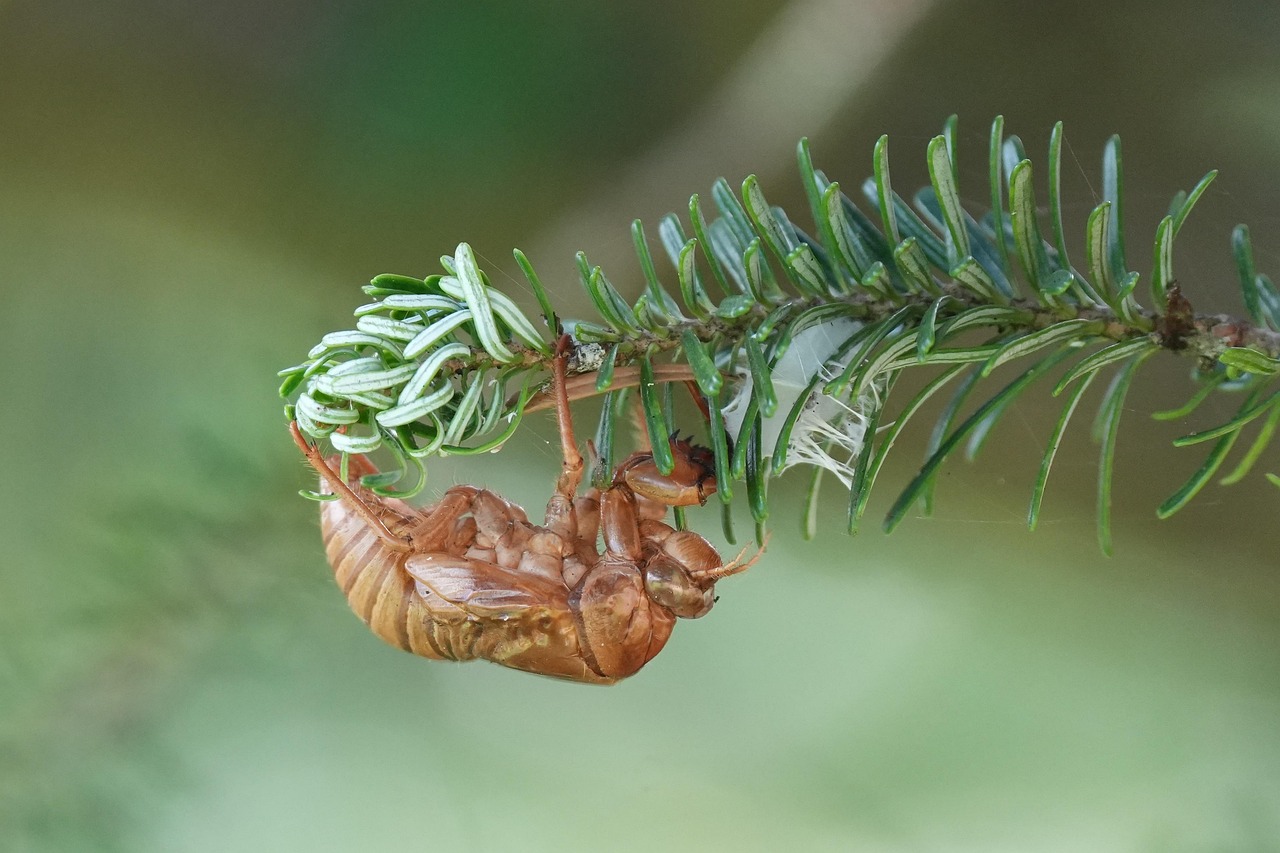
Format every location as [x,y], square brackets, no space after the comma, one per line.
[372,577]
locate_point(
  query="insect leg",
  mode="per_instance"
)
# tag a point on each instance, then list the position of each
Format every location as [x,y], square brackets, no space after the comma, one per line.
[561,516]
[353,500]
[571,468]
[436,526]
[734,566]
[699,400]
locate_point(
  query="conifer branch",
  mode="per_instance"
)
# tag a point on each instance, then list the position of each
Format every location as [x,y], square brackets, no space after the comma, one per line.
[794,342]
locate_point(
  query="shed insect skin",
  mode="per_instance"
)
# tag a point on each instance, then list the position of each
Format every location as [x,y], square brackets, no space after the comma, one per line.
[471,578]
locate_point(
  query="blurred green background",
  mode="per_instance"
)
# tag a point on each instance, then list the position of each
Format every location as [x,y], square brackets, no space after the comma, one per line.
[193,194]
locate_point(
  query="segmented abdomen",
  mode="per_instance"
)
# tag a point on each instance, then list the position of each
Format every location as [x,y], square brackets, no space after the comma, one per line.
[372,577]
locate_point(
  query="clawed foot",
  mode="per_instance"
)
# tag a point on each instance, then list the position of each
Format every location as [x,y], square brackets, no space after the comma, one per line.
[735,566]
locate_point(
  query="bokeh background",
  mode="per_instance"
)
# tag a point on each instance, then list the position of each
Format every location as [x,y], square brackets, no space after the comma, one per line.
[192,194]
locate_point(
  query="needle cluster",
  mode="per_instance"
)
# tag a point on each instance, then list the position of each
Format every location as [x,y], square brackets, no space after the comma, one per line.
[795,341]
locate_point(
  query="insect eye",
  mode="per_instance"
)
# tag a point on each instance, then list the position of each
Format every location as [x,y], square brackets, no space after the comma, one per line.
[668,584]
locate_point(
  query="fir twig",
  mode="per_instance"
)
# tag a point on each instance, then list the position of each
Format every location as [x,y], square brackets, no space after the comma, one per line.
[798,348]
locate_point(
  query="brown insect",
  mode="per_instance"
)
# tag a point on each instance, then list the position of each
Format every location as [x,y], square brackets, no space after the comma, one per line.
[470,577]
